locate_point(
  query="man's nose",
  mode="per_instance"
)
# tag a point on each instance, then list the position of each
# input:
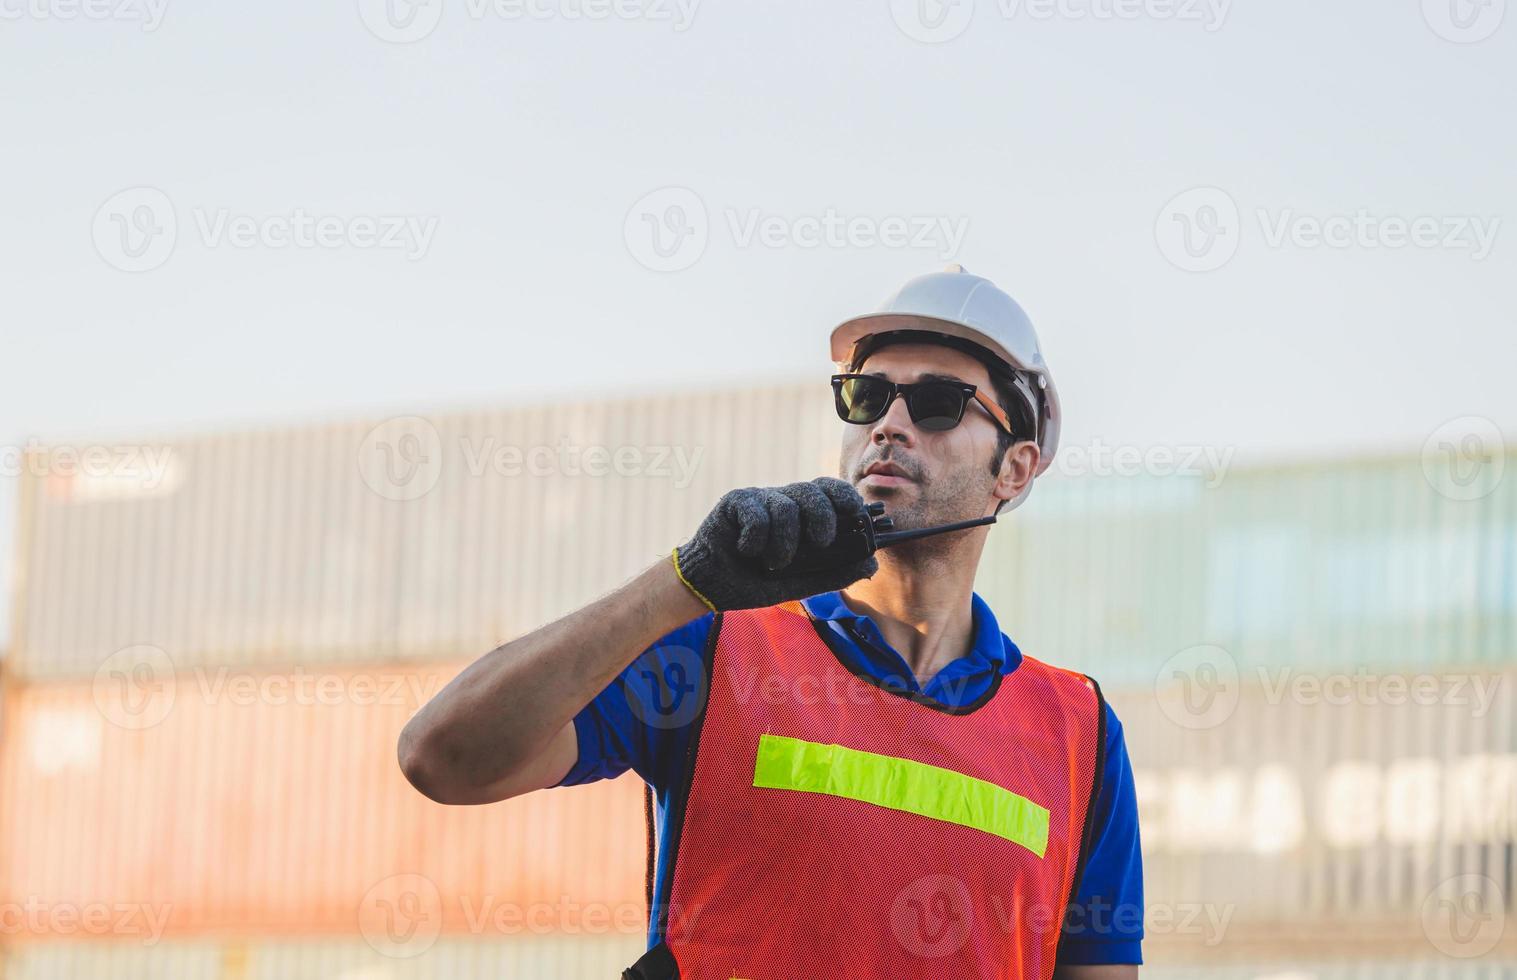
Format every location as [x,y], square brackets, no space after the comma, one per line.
[895,425]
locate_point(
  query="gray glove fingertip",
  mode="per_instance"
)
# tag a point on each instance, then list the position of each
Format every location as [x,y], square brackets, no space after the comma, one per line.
[817,513]
[752,518]
[784,530]
[844,497]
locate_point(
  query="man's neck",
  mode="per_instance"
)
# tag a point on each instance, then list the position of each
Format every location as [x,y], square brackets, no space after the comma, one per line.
[921,603]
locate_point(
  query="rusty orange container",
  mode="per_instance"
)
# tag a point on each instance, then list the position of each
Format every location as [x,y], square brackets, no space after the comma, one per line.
[273,803]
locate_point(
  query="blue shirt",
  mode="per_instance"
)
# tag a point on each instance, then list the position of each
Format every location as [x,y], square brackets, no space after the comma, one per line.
[1105,924]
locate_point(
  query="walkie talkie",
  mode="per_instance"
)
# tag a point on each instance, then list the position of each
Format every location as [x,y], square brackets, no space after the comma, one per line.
[861,536]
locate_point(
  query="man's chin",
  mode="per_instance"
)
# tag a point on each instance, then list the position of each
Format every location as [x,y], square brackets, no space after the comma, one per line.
[901,503]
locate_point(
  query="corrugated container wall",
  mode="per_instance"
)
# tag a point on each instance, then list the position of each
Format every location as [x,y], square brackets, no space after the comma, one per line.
[273,804]
[469,958]
[218,640]
[1326,567]
[557,958]
[409,538]
[440,538]
[1335,812]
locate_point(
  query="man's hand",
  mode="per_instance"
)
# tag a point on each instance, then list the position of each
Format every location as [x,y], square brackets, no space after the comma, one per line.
[756,528]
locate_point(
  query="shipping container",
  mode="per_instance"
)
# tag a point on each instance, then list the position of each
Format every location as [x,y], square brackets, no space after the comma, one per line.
[1373,563]
[440,537]
[469,958]
[579,958]
[402,538]
[273,803]
[1322,804]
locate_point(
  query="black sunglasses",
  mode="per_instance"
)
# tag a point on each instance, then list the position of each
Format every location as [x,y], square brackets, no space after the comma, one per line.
[933,405]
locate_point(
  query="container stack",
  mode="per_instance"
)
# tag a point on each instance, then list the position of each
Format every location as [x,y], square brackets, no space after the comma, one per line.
[1315,666]
[217,640]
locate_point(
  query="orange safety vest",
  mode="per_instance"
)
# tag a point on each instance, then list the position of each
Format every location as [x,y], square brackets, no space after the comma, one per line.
[799,769]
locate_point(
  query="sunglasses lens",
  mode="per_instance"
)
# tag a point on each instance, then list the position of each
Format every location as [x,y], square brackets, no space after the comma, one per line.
[862,400]
[936,406]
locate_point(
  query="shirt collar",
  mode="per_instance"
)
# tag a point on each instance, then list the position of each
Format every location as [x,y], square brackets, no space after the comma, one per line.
[991,652]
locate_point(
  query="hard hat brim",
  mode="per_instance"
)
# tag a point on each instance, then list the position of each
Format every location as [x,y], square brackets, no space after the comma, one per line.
[848,333]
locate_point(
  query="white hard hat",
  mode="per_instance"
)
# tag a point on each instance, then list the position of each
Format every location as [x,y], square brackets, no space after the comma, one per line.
[958,304]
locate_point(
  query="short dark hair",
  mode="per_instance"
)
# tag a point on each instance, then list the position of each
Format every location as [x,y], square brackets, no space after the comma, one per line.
[1023,426]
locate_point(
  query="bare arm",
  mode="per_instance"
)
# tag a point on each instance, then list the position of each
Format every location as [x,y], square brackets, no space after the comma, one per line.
[505,726]
[1111,972]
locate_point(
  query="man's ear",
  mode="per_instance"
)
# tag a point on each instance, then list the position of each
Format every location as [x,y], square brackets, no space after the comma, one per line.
[1018,467]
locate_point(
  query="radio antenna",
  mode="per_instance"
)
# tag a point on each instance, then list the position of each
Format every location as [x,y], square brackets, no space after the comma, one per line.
[895,537]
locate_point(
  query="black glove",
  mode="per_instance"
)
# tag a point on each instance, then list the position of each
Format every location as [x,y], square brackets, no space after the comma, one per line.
[760,527]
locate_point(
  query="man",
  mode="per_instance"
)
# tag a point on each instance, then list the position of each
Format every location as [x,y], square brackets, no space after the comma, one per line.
[857,773]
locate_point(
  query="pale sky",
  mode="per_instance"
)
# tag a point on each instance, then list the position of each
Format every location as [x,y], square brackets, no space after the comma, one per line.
[507,160]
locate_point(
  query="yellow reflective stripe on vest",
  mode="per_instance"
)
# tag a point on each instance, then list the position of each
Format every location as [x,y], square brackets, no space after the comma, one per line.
[900,784]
